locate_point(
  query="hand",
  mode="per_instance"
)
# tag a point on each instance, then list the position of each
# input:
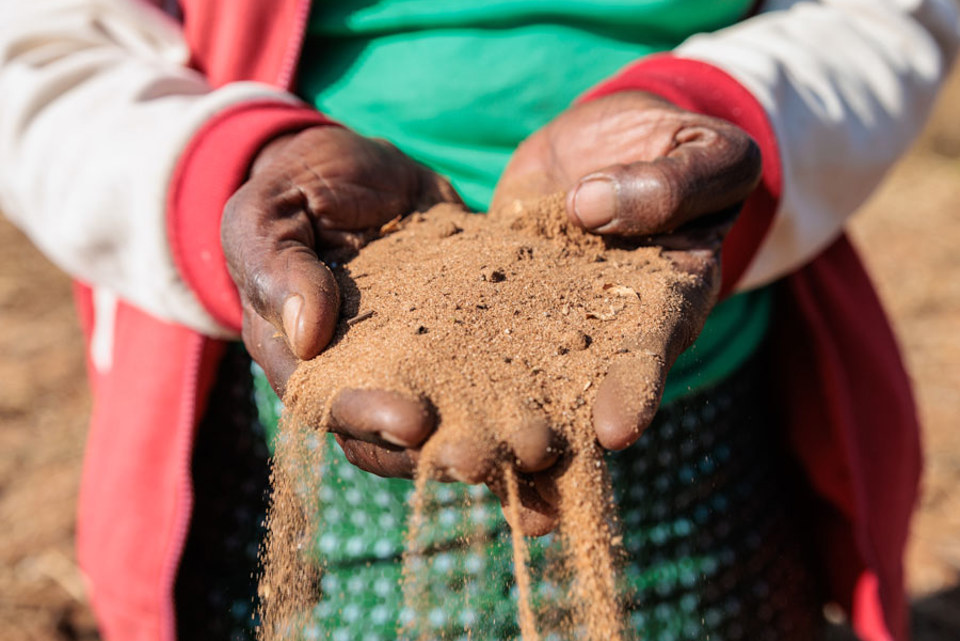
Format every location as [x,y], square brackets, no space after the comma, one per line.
[317,188]
[637,166]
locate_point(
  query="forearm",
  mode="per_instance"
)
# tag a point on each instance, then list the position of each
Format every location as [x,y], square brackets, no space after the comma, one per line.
[847,86]
[832,91]
[98,115]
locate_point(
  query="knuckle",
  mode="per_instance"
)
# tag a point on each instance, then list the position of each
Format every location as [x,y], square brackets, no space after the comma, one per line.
[665,193]
[322,197]
[740,148]
[353,452]
[376,455]
[257,286]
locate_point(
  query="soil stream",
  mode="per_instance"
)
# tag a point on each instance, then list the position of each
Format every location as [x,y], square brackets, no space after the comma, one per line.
[500,322]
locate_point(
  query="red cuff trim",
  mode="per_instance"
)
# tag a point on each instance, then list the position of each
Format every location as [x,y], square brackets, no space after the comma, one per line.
[214,165]
[703,88]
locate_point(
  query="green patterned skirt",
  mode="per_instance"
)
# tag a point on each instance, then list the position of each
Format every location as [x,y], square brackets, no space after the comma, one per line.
[709,510]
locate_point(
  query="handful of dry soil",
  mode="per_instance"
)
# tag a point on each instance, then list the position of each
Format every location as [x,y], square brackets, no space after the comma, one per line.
[496,320]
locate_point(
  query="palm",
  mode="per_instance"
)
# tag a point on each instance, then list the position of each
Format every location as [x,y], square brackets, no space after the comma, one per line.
[668,177]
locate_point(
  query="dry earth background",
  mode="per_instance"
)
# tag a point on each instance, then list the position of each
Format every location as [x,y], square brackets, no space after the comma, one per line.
[909,233]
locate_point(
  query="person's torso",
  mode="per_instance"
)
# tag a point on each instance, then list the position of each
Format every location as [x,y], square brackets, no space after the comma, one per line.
[458,85]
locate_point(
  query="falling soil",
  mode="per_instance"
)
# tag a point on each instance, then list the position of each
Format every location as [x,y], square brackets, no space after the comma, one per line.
[499,322]
[521,558]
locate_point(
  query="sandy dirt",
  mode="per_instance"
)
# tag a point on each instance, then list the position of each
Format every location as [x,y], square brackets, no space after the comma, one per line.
[498,320]
[909,233]
[43,415]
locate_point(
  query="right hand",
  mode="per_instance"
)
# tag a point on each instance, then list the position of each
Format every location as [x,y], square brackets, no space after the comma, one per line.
[323,187]
[636,166]
[318,188]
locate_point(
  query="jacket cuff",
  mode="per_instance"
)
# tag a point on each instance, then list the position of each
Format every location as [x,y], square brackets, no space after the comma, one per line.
[700,87]
[213,166]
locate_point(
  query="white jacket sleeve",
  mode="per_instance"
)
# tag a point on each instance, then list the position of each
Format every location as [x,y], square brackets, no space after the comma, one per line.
[96,106]
[847,86]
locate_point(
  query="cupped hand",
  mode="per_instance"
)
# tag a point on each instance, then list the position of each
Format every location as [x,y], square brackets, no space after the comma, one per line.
[531,448]
[324,186]
[636,166]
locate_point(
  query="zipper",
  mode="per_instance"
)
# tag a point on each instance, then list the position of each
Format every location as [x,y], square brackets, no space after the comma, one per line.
[292,57]
[187,415]
[186,424]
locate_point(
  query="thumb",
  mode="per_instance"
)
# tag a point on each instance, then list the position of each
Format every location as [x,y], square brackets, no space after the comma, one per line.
[709,169]
[279,275]
[292,289]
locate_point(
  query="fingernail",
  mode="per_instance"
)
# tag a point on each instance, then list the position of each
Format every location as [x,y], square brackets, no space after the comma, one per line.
[292,307]
[595,202]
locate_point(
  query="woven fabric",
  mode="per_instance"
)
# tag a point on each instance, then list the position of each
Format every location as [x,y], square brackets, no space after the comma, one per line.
[711,528]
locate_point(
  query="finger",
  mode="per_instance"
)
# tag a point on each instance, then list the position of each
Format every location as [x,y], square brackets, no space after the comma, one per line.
[534,444]
[370,183]
[381,416]
[269,250]
[354,240]
[535,516]
[702,264]
[269,349]
[709,169]
[435,189]
[628,398]
[345,180]
[545,485]
[469,460]
[363,210]
[386,461]
[704,235]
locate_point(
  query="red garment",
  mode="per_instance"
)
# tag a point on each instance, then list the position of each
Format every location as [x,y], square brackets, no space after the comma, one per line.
[851,416]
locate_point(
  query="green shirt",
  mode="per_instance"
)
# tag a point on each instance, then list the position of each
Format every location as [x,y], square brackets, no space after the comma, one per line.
[458,84]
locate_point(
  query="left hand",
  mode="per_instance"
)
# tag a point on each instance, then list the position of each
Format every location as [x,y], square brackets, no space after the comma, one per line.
[323,187]
[633,164]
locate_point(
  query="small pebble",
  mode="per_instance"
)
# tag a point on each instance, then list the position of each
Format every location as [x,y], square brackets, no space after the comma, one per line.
[447,229]
[574,341]
[493,276]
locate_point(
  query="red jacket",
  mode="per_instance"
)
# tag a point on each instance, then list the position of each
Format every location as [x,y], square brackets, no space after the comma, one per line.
[849,410]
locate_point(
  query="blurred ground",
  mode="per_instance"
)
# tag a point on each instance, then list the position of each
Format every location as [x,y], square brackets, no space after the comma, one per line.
[909,234]
[43,414]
